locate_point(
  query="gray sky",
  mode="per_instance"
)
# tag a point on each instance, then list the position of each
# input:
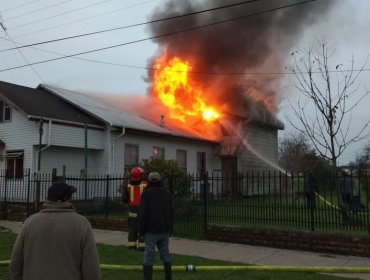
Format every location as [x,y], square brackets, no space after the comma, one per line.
[123,70]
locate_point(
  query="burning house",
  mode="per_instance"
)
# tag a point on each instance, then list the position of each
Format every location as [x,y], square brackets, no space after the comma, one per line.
[214,72]
[211,104]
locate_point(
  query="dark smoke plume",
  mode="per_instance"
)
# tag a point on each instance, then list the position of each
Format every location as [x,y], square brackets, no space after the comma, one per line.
[252,44]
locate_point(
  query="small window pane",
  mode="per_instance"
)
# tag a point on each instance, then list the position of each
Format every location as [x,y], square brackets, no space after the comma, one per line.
[181,158]
[14,164]
[7,114]
[201,163]
[1,110]
[158,152]
[131,156]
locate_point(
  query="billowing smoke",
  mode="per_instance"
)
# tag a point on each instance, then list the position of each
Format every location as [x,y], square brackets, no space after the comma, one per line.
[221,54]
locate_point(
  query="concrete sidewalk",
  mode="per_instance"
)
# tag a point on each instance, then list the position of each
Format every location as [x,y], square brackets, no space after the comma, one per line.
[236,252]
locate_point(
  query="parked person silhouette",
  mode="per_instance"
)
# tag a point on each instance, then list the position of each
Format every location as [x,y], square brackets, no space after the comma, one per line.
[345,194]
[310,187]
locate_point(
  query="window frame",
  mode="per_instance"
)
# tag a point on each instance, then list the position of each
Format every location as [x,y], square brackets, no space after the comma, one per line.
[128,164]
[183,163]
[14,164]
[5,112]
[158,152]
[201,163]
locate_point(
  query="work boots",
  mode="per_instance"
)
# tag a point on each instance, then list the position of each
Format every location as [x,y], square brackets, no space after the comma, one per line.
[148,272]
[167,271]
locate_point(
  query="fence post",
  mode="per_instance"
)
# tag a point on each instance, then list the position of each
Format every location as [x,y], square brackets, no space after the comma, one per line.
[311,201]
[205,195]
[5,194]
[107,197]
[28,190]
[312,214]
[38,188]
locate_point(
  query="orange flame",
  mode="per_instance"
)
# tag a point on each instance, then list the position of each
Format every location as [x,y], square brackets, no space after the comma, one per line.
[184,98]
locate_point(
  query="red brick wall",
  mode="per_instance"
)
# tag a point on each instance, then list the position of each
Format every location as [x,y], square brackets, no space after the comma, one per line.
[297,240]
[110,224]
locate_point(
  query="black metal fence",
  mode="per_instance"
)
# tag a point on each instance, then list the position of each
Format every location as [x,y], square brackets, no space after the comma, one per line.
[255,199]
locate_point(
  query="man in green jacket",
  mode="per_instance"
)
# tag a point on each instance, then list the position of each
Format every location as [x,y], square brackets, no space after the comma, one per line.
[56,243]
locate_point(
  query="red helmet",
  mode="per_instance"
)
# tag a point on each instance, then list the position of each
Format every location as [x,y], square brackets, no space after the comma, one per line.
[136,174]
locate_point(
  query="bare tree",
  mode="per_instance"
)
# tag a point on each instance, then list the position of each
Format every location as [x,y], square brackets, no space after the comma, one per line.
[292,151]
[328,99]
[362,162]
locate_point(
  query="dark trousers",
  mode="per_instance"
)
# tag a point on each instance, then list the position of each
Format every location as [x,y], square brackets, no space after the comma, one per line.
[134,240]
[310,200]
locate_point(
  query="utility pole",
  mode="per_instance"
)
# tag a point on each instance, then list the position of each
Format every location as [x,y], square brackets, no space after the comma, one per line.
[38,179]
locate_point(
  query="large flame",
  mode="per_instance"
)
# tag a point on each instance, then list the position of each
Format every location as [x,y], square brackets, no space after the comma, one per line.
[181,95]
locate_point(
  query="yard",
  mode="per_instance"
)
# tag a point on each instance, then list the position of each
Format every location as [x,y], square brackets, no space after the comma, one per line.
[120,255]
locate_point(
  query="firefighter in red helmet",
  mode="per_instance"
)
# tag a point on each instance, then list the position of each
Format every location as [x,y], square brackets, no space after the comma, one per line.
[131,196]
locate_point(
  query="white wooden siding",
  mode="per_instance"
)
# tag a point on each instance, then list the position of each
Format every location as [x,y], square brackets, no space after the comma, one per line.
[73,159]
[19,134]
[264,141]
[146,144]
[69,136]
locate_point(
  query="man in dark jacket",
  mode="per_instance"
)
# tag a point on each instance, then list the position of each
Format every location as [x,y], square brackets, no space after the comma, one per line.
[156,222]
[56,243]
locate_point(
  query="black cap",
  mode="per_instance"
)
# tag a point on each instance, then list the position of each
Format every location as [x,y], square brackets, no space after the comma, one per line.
[60,191]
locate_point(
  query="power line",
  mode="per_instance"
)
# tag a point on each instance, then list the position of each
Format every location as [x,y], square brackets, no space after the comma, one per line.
[83,19]
[136,25]
[62,14]
[192,72]
[20,6]
[25,59]
[37,10]
[159,36]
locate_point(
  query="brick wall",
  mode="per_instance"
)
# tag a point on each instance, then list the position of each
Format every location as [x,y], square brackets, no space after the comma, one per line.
[296,240]
[109,224]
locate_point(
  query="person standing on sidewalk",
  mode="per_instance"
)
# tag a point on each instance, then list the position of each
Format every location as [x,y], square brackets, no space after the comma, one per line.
[56,243]
[156,221]
[132,196]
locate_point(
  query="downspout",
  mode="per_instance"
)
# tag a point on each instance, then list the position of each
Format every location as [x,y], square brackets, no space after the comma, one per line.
[49,136]
[113,146]
[44,148]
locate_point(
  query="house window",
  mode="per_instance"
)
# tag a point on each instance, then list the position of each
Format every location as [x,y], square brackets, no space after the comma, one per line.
[158,152]
[201,163]
[131,156]
[14,164]
[5,111]
[181,158]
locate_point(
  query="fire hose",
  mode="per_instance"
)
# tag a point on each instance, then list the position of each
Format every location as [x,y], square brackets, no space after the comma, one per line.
[193,268]
[326,201]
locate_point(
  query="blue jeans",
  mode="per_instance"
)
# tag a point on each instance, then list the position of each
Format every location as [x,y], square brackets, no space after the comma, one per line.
[161,241]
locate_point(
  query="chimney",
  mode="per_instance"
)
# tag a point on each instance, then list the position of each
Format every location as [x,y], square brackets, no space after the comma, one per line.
[161,124]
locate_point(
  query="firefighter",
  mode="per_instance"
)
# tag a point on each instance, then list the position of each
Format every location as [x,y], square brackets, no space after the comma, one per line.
[132,196]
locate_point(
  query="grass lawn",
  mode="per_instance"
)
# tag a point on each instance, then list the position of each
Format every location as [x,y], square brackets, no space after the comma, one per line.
[120,255]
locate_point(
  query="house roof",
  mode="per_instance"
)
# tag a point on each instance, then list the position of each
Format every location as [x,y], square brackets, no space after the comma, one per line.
[41,103]
[114,116]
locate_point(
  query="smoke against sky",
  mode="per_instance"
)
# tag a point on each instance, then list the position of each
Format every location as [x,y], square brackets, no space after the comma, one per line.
[249,44]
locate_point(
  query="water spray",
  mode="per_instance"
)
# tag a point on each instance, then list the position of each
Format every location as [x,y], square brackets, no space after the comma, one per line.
[250,148]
